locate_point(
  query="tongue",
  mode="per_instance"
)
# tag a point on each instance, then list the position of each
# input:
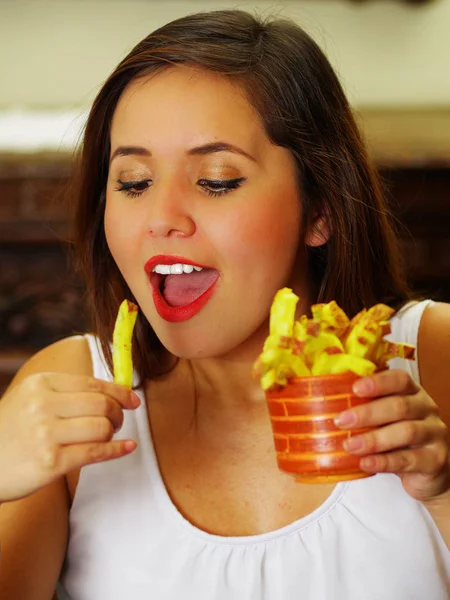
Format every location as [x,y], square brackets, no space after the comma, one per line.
[181,290]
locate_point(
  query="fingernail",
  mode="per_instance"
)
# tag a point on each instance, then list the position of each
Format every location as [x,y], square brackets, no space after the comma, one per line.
[345,419]
[129,445]
[135,400]
[362,387]
[353,443]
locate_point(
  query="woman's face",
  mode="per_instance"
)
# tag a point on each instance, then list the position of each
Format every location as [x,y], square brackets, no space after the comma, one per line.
[194,180]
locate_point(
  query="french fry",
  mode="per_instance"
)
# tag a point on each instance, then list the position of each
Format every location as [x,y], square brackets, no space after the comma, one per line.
[282,313]
[331,317]
[367,330]
[327,364]
[389,350]
[277,366]
[122,343]
[323,343]
[328,343]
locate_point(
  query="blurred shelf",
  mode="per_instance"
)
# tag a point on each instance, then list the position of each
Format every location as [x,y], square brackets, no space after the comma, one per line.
[35,164]
[412,138]
[34,232]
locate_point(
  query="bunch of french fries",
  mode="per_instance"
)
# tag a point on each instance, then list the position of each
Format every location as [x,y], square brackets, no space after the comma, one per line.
[327,343]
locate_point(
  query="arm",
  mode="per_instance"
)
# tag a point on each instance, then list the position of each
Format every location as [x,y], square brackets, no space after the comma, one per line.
[34,524]
[34,530]
[434,356]
[33,534]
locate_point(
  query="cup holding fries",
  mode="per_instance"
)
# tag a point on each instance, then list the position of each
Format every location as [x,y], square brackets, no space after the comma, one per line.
[307,370]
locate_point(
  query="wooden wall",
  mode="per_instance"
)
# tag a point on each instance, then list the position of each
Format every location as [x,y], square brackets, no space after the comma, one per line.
[41,300]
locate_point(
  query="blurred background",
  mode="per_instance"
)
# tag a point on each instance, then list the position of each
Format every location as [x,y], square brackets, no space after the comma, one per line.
[393,59]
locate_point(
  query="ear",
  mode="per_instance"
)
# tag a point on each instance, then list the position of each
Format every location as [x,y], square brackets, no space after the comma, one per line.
[319,231]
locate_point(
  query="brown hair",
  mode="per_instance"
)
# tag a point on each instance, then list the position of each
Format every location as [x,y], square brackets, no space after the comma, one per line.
[304,109]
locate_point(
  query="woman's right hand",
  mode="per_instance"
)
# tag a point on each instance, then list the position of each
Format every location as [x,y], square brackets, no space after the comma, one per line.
[53,423]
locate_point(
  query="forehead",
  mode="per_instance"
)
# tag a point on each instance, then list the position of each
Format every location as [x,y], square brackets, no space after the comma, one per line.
[186,105]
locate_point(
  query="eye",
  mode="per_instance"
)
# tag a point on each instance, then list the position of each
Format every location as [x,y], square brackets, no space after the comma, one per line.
[133,189]
[220,187]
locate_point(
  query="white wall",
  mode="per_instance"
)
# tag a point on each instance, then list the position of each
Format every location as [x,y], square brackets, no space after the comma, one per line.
[55,53]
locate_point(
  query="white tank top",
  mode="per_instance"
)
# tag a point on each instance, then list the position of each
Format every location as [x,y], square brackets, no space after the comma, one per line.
[368,541]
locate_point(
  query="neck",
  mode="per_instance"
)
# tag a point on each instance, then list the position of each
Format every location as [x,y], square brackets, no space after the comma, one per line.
[226,381]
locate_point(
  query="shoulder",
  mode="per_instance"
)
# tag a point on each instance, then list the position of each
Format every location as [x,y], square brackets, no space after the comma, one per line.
[433,349]
[69,355]
[434,338]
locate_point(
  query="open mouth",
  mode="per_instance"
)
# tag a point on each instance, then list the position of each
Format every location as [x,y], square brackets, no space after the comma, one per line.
[183,289]
[180,289]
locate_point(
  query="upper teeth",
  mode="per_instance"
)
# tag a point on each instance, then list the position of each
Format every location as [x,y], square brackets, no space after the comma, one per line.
[177,269]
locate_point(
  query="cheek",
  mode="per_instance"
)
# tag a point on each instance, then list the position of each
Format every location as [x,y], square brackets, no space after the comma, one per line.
[274,234]
[263,235]
[121,235]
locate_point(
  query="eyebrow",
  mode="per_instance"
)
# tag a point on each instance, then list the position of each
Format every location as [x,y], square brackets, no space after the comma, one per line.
[218,147]
[197,151]
[129,151]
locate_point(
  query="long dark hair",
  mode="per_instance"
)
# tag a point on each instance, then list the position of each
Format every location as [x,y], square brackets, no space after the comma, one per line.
[302,105]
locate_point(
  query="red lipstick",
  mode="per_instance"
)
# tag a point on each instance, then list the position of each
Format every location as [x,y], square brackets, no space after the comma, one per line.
[175,314]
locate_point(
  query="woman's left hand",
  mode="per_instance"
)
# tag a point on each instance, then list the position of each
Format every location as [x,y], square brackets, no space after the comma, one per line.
[409,438]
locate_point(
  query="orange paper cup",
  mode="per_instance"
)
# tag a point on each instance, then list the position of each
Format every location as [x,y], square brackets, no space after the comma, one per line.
[307,442]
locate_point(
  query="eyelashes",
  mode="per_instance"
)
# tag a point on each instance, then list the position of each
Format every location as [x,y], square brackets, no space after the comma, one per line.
[220,187]
[212,187]
[133,189]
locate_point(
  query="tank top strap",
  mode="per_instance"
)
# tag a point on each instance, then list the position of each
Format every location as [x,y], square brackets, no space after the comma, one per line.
[405,329]
[99,365]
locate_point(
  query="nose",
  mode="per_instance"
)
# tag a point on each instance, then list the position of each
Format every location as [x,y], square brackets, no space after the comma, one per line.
[168,213]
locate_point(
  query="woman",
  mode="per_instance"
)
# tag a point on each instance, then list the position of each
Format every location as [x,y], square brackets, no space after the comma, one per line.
[220,163]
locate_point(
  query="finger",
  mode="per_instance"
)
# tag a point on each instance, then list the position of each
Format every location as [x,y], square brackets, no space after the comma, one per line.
[64,459]
[385,383]
[82,430]
[427,460]
[387,410]
[397,435]
[70,405]
[64,382]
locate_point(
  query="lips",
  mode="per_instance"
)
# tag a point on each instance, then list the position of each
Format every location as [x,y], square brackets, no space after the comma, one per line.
[178,313]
